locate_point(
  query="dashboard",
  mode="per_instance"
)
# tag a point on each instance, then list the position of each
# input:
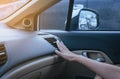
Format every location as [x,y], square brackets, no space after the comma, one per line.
[15,52]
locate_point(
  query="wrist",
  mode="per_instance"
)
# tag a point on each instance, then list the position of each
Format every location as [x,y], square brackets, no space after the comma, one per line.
[76,57]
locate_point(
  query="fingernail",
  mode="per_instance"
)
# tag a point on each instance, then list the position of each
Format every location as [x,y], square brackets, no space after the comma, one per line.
[57,41]
[56,51]
[61,42]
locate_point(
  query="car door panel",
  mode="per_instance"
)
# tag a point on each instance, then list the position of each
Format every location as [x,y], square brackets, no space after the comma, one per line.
[106,42]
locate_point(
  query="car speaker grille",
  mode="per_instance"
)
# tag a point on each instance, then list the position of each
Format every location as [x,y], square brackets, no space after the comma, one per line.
[3,56]
[52,41]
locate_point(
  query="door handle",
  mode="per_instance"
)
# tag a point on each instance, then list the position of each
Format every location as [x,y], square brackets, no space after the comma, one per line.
[85,54]
[100,59]
[97,58]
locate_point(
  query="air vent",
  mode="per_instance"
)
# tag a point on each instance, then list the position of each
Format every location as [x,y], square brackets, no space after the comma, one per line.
[3,56]
[52,41]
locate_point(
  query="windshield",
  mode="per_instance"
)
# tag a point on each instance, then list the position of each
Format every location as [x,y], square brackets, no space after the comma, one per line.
[8,7]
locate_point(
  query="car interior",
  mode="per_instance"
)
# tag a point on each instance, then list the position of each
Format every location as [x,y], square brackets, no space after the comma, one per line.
[29,30]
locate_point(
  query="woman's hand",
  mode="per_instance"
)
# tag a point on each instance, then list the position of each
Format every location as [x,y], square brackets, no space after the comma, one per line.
[64,52]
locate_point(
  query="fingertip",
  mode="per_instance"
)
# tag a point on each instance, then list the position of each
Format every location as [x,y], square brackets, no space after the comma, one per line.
[62,42]
[57,41]
[56,51]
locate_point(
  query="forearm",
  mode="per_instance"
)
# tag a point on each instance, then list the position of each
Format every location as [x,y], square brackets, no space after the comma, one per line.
[104,70]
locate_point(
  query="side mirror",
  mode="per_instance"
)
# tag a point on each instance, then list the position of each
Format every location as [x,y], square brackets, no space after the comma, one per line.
[88,20]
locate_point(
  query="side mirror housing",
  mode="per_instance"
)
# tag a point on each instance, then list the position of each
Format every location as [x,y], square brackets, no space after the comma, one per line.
[88,19]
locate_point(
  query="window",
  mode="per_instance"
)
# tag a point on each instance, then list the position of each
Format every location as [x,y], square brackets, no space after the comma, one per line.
[54,17]
[107,10]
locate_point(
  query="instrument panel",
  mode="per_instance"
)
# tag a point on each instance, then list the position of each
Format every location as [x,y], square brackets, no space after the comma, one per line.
[22,50]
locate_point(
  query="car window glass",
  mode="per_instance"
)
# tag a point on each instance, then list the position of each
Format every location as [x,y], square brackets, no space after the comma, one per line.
[54,17]
[107,10]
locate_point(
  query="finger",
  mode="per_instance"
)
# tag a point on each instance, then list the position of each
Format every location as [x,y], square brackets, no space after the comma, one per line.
[58,53]
[59,46]
[63,46]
